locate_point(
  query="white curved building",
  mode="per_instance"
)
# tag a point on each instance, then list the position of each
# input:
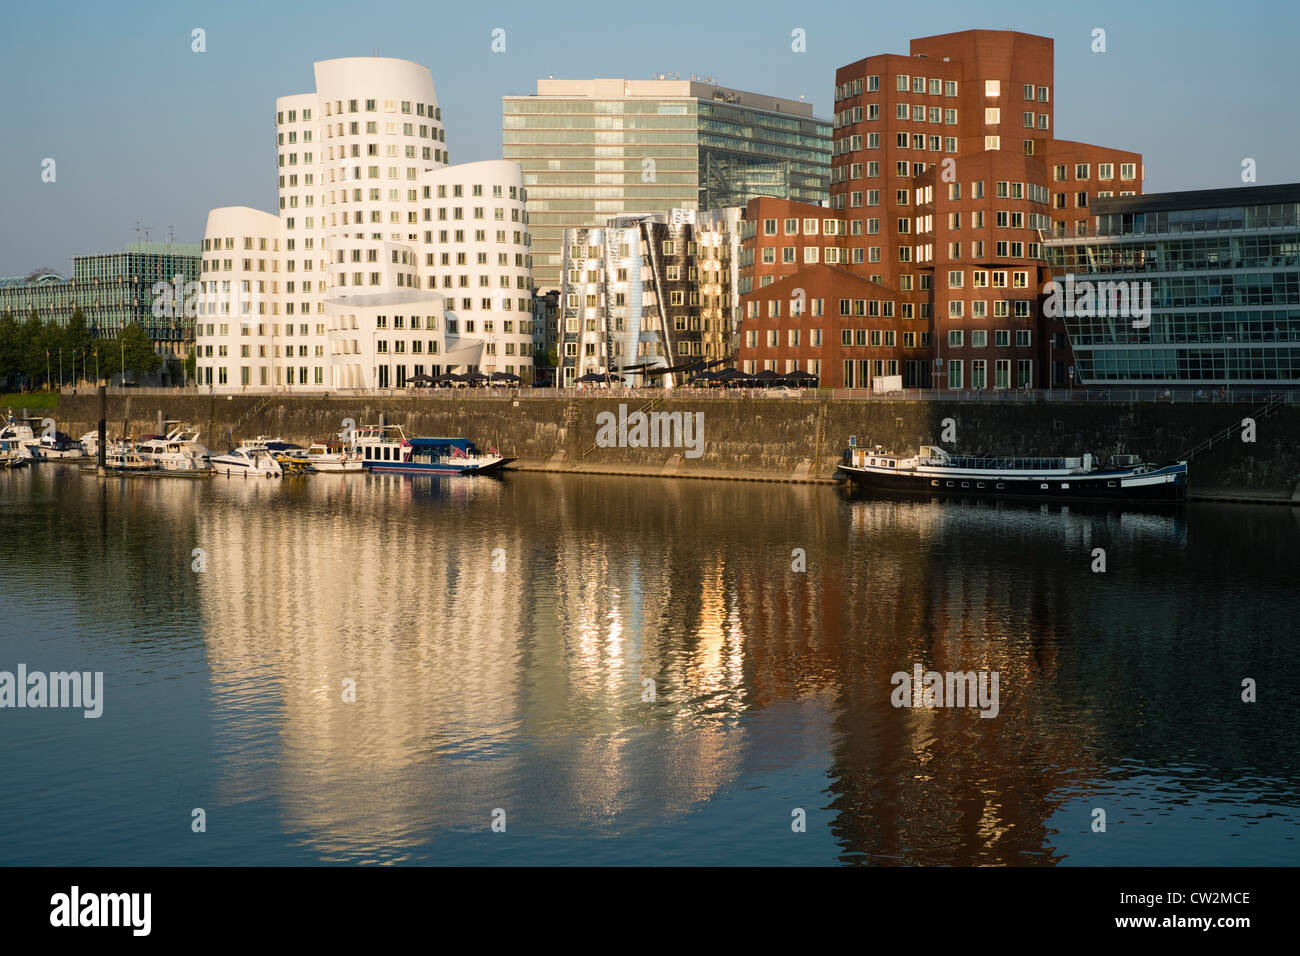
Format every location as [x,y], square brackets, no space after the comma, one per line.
[238,308]
[475,252]
[359,251]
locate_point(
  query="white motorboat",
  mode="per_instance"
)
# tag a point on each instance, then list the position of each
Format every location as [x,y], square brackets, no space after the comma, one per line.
[180,450]
[55,447]
[90,443]
[21,432]
[247,459]
[335,456]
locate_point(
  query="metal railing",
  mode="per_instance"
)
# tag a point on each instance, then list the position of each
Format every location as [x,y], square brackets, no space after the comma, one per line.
[1198,395]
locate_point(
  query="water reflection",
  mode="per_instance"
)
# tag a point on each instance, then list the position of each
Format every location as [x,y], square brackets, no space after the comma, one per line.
[501,636]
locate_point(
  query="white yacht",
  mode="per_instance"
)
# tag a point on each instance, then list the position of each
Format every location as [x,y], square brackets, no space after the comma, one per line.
[90,443]
[248,459]
[19,431]
[55,447]
[180,450]
[335,456]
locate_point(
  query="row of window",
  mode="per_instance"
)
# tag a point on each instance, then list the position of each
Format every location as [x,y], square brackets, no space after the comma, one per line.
[984,279]
[371,106]
[920,141]
[1001,375]
[979,338]
[1002,309]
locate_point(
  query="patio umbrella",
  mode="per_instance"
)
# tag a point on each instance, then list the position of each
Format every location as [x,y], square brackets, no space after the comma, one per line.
[728,375]
[767,376]
[505,377]
[592,377]
[420,380]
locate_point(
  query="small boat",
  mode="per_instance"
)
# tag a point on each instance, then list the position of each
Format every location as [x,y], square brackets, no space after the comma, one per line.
[248,459]
[179,450]
[124,458]
[12,454]
[90,443]
[56,447]
[335,456]
[292,457]
[22,431]
[933,471]
[386,448]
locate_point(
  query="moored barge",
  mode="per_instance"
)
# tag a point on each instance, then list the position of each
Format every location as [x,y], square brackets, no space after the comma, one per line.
[933,471]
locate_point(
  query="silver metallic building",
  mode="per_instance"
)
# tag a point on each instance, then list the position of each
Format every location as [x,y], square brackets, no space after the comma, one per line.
[656,291]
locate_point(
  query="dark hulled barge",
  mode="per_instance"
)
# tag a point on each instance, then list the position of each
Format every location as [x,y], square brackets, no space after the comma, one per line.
[933,471]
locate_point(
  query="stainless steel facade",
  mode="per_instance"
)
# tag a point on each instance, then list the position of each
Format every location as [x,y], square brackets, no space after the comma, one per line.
[653,291]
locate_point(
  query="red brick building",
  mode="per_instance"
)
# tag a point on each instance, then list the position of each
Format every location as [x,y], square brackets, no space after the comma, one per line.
[945,176]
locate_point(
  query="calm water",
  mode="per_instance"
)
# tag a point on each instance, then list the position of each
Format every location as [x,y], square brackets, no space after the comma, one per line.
[519,689]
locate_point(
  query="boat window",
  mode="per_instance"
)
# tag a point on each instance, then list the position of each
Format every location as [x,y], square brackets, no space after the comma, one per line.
[1001,486]
[980,485]
[1110,484]
[965,484]
[1043,486]
[934,484]
[950,484]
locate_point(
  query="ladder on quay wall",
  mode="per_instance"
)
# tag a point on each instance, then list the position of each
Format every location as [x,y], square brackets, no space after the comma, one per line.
[645,409]
[252,411]
[1232,430]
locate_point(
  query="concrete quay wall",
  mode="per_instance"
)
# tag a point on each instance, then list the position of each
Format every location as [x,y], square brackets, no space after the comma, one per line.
[792,439]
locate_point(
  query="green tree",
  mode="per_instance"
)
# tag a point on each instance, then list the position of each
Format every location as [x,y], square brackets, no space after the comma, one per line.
[31,339]
[10,349]
[191,364]
[105,357]
[139,351]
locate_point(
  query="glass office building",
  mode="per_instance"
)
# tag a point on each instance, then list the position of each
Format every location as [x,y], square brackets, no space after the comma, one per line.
[1223,268]
[112,290]
[595,149]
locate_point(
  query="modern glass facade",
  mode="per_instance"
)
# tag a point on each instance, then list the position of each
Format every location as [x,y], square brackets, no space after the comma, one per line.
[112,290]
[1224,274]
[592,150]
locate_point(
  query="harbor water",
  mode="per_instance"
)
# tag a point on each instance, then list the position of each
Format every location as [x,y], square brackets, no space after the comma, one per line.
[559,669]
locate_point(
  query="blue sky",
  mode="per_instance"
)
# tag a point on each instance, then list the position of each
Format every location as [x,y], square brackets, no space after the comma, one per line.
[143,129]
